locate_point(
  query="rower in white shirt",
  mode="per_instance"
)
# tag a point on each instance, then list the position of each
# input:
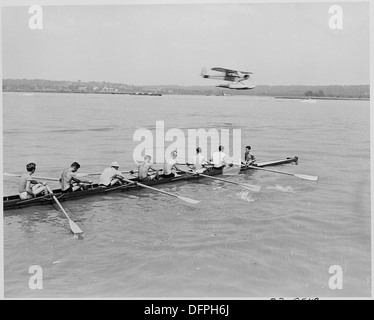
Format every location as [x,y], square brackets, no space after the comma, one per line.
[219,159]
[170,165]
[111,176]
[198,161]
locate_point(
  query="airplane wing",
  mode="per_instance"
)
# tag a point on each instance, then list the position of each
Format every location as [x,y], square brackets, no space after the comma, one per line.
[229,71]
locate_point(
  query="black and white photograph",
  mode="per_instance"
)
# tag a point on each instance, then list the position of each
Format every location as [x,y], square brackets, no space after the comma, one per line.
[186,150]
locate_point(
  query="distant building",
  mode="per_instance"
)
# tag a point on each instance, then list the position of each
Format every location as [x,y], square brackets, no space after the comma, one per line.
[82,89]
[107,89]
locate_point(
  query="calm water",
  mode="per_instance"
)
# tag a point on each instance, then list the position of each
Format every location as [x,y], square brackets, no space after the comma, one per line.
[235,243]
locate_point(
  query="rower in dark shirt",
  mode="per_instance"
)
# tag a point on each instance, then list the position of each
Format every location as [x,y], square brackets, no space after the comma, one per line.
[249,159]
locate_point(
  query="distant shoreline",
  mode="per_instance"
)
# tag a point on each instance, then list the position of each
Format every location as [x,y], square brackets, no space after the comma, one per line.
[144,94]
[322,98]
[326,92]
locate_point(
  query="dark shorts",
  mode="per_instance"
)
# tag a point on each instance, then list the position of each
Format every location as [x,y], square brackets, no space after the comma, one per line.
[171,175]
[219,168]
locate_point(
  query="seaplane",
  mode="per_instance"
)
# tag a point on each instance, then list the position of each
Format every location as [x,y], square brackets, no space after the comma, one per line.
[234,78]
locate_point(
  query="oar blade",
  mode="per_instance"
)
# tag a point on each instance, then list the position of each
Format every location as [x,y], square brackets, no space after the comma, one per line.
[251,187]
[306,177]
[188,200]
[74,227]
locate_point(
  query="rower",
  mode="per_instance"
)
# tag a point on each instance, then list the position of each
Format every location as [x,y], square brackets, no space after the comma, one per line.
[199,161]
[29,188]
[249,159]
[111,176]
[144,168]
[69,180]
[219,159]
[171,164]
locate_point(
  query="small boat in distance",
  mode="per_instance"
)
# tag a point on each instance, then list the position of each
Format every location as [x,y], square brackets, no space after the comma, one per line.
[308,100]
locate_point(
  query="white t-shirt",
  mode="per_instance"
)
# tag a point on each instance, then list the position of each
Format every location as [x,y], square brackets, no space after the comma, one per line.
[108,175]
[218,158]
[198,160]
[168,166]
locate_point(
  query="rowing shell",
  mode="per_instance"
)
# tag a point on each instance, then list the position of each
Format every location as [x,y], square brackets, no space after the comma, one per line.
[14,202]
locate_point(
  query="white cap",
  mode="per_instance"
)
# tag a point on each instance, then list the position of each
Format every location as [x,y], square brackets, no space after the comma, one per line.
[115,164]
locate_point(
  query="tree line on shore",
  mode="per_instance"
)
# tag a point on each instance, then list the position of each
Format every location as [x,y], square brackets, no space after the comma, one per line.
[38,85]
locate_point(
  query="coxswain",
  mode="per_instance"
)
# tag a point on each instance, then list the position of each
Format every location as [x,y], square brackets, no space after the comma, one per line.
[249,159]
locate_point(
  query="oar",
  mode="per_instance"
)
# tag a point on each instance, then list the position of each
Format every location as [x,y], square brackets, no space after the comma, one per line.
[99,173]
[301,176]
[18,175]
[253,188]
[168,193]
[73,226]
[178,164]
[81,174]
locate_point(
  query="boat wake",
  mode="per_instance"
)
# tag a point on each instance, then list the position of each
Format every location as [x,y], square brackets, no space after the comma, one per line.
[246,196]
[280,188]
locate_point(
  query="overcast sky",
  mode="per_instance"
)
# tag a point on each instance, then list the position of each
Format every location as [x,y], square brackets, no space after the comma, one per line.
[281,44]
